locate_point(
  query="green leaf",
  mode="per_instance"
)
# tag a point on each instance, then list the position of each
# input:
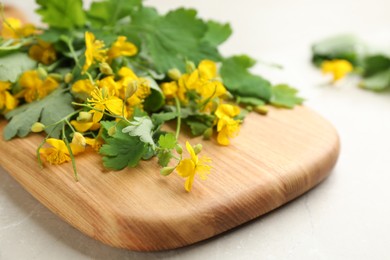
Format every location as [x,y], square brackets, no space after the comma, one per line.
[52,35]
[161,118]
[285,96]
[12,65]
[167,141]
[377,82]
[156,99]
[164,157]
[239,81]
[199,123]
[376,63]
[121,150]
[48,111]
[141,127]
[173,38]
[251,101]
[346,47]
[65,14]
[109,12]
[217,33]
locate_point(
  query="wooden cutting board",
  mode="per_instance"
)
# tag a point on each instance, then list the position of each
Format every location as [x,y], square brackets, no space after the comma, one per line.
[274,159]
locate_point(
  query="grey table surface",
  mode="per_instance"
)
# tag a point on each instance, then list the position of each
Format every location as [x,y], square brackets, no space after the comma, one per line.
[345,217]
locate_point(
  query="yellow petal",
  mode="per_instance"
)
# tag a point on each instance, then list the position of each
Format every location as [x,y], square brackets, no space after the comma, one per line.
[10,101]
[114,105]
[222,137]
[110,84]
[227,110]
[186,168]
[58,144]
[192,153]
[208,69]
[121,47]
[83,86]
[77,148]
[189,182]
[97,116]
[127,72]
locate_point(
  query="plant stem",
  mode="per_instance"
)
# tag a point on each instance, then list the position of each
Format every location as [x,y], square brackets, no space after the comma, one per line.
[178,126]
[70,153]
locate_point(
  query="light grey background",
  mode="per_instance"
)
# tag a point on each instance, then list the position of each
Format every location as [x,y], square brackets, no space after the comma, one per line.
[346,217]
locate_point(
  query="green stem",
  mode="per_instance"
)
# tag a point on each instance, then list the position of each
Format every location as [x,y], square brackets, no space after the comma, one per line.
[72,51]
[70,126]
[65,118]
[70,153]
[178,126]
[101,111]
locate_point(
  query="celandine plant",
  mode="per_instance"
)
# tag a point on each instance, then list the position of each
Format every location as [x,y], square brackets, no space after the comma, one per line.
[341,55]
[110,77]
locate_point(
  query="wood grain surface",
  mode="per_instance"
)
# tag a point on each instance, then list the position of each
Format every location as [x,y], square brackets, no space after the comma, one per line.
[274,159]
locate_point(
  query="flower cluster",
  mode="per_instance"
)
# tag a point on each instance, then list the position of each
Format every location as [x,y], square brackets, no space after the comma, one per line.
[203,88]
[111,83]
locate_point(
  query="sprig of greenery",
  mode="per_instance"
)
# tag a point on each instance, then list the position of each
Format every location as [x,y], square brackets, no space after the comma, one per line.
[373,66]
[101,73]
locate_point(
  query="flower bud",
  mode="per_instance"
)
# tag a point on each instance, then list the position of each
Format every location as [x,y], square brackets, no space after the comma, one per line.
[105,69]
[179,149]
[229,95]
[131,89]
[68,77]
[167,170]
[208,133]
[249,108]
[84,117]
[198,148]
[37,127]
[190,66]
[42,73]
[78,139]
[174,74]
[262,110]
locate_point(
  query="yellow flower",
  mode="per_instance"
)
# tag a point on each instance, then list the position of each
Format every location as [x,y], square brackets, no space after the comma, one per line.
[58,153]
[338,68]
[211,89]
[83,86]
[204,80]
[170,89]
[207,69]
[227,127]
[187,168]
[112,86]
[13,29]
[129,78]
[34,88]
[43,52]
[84,123]
[83,127]
[95,143]
[94,51]
[211,85]
[101,100]
[185,83]
[7,101]
[121,47]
